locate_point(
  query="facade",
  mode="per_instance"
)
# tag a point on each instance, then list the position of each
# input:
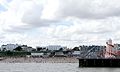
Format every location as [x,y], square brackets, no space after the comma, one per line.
[76,53]
[109,47]
[111,50]
[28,49]
[54,47]
[10,47]
[59,53]
[37,54]
[40,54]
[116,49]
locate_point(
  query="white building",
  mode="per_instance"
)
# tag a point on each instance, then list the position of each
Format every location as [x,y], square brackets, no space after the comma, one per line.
[9,47]
[37,54]
[59,53]
[55,47]
[42,54]
[75,53]
[28,49]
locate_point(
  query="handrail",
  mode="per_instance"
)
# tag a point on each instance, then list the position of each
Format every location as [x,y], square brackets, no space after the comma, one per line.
[88,52]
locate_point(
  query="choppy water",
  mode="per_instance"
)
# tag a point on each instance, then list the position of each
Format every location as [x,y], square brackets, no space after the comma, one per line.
[50,67]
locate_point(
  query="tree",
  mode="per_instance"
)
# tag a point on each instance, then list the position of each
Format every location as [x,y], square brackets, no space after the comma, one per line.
[24,45]
[44,48]
[33,49]
[47,49]
[39,48]
[61,49]
[9,53]
[76,49]
[4,49]
[18,48]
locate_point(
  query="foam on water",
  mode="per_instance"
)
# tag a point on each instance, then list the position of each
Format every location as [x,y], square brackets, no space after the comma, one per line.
[50,67]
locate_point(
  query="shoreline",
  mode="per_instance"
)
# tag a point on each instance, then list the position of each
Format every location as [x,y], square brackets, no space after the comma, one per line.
[40,60]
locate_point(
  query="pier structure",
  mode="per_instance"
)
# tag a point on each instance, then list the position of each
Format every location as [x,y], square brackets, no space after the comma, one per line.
[109,49]
[110,59]
[99,62]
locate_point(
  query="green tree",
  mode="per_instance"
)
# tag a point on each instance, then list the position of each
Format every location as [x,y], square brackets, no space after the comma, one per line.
[76,49]
[18,48]
[4,49]
[39,48]
[61,49]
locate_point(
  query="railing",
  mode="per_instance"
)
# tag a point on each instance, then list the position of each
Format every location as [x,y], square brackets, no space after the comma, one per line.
[86,54]
[116,56]
[93,55]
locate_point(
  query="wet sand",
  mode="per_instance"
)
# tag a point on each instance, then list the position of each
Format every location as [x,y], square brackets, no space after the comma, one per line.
[40,60]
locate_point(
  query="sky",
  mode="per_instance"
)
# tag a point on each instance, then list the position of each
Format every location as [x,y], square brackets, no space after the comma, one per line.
[59,22]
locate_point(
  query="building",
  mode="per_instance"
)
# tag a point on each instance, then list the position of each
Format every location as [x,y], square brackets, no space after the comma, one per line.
[33,54]
[10,47]
[40,54]
[26,48]
[59,54]
[55,47]
[112,50]
[116,49]
[76,53]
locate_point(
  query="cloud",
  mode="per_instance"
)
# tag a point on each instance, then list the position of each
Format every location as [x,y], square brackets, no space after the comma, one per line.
[65,22]
[85,31]
[11,19]
[95,9]
[2,37]
[40,15]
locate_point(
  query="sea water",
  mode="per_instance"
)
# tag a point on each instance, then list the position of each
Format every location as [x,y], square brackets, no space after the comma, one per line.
[50,67]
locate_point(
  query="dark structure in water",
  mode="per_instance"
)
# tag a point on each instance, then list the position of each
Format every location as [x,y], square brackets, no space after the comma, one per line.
[110,57]
[99,62]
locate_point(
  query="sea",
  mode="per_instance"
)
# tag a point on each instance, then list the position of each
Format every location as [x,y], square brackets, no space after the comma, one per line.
[50,67]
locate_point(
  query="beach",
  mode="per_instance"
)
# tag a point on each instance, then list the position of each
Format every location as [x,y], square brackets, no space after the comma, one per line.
[39,60]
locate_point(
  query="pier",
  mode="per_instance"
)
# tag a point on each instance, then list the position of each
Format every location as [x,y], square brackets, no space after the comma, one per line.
[111,57]
[99,62]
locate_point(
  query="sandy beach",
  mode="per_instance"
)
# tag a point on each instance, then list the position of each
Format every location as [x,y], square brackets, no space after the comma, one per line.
[40,60]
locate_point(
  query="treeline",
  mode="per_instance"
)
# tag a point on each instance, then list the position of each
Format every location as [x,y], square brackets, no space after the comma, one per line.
[13,54]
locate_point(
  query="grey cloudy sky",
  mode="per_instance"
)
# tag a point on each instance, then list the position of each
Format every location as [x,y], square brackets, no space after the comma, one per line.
[62,22]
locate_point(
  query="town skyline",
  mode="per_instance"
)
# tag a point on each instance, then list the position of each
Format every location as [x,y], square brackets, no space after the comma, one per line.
[60,46]
[39,45]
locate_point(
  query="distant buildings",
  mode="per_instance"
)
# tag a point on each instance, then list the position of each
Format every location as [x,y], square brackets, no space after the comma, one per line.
[55,47]
[27,48]
[10,47]
[116,49]
[76,53]
[35,54]
[94,51]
